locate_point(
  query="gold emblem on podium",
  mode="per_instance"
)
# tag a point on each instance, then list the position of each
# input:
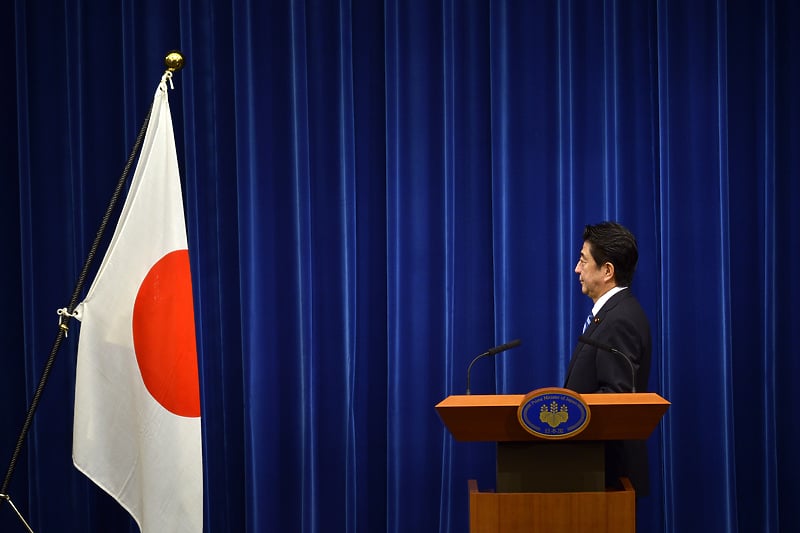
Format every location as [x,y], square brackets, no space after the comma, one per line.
[553,413]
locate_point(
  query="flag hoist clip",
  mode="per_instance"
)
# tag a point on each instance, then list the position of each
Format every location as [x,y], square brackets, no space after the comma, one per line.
[64,312]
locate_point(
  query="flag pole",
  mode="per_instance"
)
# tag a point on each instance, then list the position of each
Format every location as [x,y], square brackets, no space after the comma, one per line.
[174,61]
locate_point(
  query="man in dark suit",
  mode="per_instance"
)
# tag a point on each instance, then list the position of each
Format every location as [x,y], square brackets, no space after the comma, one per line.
[605,269]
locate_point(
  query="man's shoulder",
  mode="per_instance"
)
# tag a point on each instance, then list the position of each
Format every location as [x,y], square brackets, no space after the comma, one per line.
[623,301]
[625,294]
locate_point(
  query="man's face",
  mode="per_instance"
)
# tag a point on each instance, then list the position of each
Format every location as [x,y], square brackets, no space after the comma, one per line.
[594,282]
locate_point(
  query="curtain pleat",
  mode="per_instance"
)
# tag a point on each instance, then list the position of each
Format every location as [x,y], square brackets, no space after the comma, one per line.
[377,192]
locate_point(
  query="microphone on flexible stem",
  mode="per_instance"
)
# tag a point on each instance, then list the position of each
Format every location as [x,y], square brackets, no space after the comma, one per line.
[492,351]
[606,348]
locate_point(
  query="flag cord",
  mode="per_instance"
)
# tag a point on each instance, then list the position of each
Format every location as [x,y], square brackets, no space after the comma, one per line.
[6,497]
[67,314]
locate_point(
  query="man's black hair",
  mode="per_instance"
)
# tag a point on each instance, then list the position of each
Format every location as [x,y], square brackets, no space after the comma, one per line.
[610,242]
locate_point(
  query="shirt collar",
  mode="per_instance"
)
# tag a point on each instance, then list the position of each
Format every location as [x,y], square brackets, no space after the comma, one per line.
[604,298]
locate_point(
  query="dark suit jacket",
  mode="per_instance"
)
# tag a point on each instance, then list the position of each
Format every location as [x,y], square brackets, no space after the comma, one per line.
[620,324]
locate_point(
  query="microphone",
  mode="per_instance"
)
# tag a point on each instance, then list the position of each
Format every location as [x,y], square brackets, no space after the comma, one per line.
[606,348]
[492,351]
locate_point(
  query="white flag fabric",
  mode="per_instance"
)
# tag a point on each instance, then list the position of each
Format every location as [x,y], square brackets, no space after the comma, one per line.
[136,432]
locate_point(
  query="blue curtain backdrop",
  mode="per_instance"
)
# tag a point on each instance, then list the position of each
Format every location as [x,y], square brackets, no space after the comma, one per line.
[378,191]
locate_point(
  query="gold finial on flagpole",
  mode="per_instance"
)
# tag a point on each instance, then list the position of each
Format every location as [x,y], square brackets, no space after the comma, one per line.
[174,60]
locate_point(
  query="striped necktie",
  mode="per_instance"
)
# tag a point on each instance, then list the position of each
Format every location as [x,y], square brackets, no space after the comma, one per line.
[587,323]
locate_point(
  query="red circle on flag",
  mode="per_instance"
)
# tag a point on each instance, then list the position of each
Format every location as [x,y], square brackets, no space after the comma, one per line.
[163,335]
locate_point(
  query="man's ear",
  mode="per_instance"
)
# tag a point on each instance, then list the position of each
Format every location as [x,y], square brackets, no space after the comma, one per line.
[608,271]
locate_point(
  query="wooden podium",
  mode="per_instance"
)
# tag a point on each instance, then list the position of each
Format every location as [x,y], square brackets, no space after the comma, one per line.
[546,485]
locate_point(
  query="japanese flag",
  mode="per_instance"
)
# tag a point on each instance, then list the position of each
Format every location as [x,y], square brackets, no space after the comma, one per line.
[137,398]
